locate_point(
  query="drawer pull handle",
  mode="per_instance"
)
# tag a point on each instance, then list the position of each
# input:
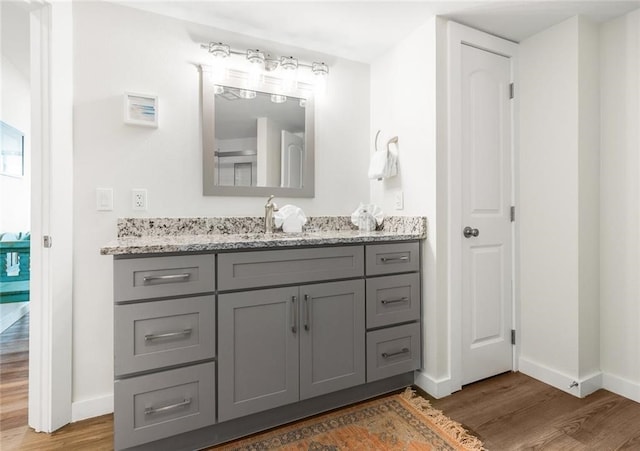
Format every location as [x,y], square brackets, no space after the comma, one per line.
[394,259]
[167,277]
[386,355]
[294,315]
[152,410]
[394,301]
[167,335]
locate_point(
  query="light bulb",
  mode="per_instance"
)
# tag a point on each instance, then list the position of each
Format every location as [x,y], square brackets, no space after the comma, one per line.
[255,59]
[289,66]
[247,94]
[277,98]
[219,57]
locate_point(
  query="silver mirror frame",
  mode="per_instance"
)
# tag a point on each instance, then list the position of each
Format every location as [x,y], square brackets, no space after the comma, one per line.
[237,79]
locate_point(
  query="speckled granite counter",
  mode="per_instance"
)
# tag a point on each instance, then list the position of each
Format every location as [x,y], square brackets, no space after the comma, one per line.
[166,235]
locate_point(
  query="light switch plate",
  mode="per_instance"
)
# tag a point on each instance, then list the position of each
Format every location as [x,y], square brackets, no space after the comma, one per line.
[104,199]
[398,200]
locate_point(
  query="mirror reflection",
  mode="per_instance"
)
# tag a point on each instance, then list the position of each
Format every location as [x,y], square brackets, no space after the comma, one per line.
[259,138]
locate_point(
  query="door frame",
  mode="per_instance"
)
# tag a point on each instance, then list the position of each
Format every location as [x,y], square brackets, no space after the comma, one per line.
[50,328]
[458,35]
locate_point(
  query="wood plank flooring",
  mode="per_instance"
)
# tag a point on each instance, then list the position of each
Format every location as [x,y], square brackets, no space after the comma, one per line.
[515,412]
[508,412]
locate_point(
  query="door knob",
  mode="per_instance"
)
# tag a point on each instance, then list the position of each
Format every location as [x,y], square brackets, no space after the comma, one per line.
[468,232]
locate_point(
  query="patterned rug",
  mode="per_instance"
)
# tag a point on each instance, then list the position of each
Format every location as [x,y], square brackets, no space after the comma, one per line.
[398,422]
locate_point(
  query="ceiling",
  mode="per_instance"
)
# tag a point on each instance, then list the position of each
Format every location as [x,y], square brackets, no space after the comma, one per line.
[362,30]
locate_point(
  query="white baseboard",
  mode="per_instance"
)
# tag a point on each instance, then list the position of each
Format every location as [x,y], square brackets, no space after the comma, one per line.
[559,380]
[89,408]
[11,313]
[622,387]
[436,388]
[590,384]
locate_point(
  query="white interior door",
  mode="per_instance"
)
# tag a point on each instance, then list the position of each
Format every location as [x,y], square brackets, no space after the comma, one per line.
[486,201]
[292,158]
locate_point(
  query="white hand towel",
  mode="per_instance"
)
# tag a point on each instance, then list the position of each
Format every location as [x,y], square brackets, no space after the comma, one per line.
[384,163]
[290,218]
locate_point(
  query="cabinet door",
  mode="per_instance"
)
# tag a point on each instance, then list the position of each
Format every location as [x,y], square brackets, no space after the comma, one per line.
[257,351]
[332,337]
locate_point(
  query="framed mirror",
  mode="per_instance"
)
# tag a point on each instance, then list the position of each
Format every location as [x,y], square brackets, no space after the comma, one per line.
[257,141]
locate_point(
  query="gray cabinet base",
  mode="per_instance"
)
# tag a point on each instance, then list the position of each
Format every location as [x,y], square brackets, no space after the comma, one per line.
[240,427]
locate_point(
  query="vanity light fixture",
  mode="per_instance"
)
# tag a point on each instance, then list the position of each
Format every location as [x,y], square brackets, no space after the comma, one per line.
[219,55]
[247,94]
[320,69]
[277,98]
[289,63]
[219,50]
[260,62]
[256,66]
[218,89]
[289,66]
[256,57]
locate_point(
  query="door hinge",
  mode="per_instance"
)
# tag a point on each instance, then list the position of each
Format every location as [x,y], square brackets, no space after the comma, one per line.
[46,241]
[512,213]
[511,91]
[513,336]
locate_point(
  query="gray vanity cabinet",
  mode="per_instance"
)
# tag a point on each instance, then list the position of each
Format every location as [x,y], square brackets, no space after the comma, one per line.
[257,352]
[332,337]
[278,346]
[209,347]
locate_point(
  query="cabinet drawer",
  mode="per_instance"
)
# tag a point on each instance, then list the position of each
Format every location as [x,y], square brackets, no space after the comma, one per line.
[159,405]
[392,351]
[392,258]
[393,299]
[163,333]
[144,278]
[280,267]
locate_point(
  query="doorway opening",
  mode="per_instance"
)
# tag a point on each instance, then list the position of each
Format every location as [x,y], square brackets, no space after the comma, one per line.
[15,211]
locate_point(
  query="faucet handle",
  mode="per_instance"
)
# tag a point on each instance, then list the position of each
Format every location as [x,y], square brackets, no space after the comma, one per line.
[271,204]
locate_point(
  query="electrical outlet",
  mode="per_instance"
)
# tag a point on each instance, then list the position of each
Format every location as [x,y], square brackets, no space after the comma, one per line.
[139,199]
[398,200]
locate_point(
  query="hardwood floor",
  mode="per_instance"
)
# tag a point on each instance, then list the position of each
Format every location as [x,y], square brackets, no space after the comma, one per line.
[515,412]
[508,412]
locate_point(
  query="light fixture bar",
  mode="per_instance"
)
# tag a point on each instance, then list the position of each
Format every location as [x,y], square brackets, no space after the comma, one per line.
[270,62]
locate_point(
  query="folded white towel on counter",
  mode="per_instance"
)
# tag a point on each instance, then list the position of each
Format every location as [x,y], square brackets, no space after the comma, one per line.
[290,218]
[367,216]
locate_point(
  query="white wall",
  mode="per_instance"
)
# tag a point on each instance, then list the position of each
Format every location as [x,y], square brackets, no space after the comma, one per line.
[15,110]
[403,104]
[118,49]
[588,199]
[559,203]
[620,201]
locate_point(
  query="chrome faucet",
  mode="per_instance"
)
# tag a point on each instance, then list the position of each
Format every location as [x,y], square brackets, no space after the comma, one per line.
[269,208]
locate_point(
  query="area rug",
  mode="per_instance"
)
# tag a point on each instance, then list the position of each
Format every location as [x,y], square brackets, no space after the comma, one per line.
[403,421]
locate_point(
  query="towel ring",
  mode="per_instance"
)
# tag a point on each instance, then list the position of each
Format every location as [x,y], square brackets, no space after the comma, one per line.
[375,144]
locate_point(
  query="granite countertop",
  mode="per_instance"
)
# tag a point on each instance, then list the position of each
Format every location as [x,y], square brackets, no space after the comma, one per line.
[165,235]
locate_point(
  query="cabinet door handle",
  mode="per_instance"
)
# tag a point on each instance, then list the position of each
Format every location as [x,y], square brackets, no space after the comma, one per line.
[294,315]
[307,321]
[394,301]
[386,355]
[150,337]
[394,259]
[152,410]
[167,277]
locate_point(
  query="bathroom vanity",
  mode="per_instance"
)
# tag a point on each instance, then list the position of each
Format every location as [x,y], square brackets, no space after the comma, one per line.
[221,335]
